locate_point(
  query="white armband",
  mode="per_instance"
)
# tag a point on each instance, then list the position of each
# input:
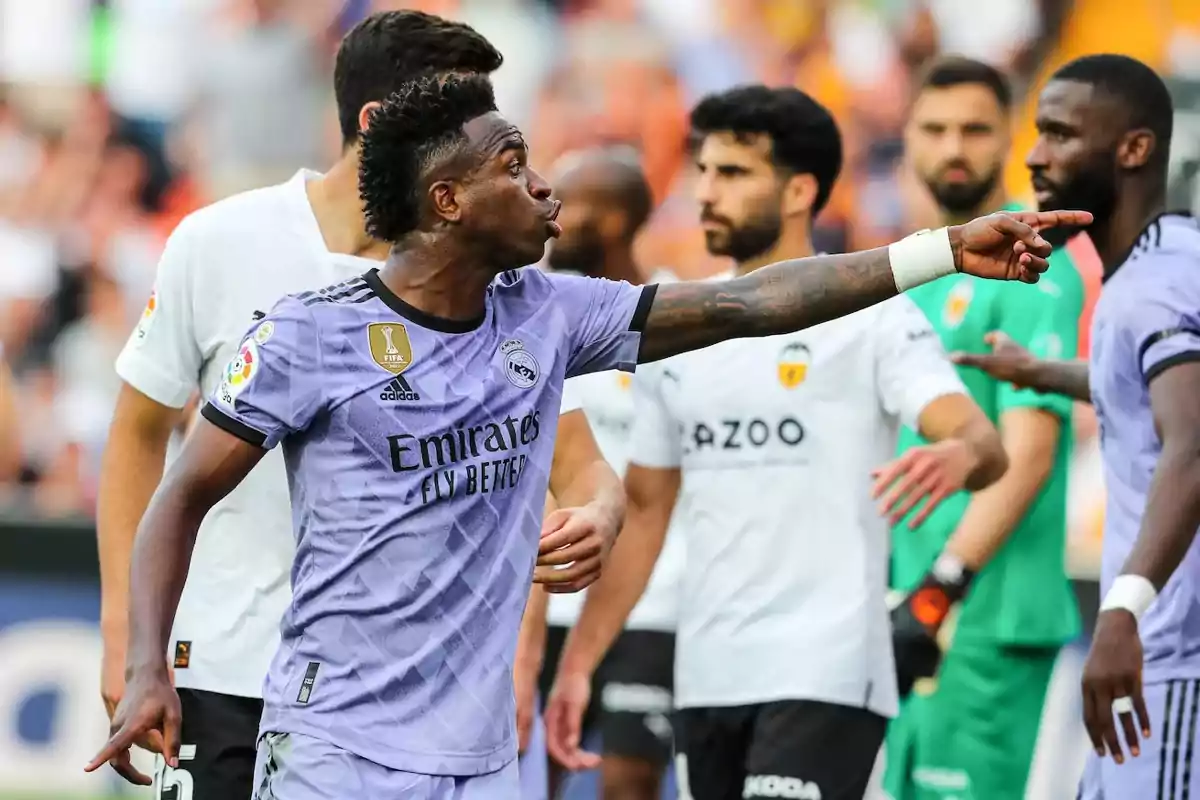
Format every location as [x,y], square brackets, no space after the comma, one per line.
[921,258]
[1130,592]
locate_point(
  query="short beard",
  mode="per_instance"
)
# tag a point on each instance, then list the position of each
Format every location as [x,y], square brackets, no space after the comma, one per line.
[964,198]
[751,240]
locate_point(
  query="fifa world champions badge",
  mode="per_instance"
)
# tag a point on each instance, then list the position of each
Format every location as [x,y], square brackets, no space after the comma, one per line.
[239,372]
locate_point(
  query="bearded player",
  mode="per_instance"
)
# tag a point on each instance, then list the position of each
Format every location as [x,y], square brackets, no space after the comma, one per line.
[1105,125]
[417,529]
[1001,550]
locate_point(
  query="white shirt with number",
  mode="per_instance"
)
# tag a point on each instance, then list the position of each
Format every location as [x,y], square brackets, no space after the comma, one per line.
[607,399]
[787,556]
[222,266]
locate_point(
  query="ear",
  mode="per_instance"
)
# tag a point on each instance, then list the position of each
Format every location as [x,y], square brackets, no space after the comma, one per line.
[364,114]
[1136,149]
[799,194]
[444,197]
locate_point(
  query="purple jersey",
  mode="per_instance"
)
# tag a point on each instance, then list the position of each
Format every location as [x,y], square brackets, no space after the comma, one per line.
[1146,321]
[418,453]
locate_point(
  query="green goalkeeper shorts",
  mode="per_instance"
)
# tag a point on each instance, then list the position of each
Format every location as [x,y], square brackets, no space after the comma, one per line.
[970,733]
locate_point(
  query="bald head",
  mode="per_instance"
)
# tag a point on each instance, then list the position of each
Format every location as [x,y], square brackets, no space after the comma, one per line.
[606,201]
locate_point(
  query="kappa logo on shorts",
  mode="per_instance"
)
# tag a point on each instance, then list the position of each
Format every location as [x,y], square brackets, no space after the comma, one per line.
[780,786]
[520,367]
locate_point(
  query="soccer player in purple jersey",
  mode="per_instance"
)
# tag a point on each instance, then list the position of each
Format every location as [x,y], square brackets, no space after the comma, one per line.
[418,525]
[1105,131]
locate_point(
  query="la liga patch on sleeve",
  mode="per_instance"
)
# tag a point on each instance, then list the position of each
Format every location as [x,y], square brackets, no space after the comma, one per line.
[240,370]
[147,319]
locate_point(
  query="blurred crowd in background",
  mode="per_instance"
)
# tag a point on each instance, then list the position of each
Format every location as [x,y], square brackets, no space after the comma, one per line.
[118,117]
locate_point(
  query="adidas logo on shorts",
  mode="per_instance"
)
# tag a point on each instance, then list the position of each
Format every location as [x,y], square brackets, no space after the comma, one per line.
[399,389]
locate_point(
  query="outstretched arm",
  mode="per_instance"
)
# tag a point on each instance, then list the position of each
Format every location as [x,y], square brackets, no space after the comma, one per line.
[797,294]
[1010,362]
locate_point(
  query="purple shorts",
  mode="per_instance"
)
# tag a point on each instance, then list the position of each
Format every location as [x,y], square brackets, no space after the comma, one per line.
[1170,760]
[292,766]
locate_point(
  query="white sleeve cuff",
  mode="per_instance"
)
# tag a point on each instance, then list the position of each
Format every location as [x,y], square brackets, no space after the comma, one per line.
[148,377]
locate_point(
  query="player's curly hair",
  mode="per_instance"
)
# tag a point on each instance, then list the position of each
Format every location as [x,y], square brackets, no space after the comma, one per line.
[391,47]
[419,125]
[804,137]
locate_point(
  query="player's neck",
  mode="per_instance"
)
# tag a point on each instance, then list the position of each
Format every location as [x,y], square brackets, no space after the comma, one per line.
[1115,236]
[338,208]
[432,280]
[786,248]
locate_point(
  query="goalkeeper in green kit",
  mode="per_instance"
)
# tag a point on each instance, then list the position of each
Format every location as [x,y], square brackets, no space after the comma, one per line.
[994,560]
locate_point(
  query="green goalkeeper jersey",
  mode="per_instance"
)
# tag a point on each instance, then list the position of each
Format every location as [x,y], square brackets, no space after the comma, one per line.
[1022,596]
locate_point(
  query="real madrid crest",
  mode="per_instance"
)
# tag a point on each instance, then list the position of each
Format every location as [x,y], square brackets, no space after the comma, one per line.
[520,367]
[390,347]
[792,367]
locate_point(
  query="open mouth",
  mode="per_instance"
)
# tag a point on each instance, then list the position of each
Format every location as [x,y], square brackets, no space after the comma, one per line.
[552,226]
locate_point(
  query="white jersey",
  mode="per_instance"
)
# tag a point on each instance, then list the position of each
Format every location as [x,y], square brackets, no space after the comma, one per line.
[787,556]
[607,399]
[223,266]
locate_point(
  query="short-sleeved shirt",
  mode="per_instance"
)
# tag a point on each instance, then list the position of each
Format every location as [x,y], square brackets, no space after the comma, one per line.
[1023,595]
[607,399]
[418,453]
[1146,322]
[224,266]
[786,555]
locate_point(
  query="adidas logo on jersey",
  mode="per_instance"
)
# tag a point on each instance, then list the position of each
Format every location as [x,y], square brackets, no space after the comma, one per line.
[399,389]
[780,786]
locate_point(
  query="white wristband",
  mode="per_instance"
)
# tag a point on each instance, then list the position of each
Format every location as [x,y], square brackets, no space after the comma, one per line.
[921,258]
[1130,592]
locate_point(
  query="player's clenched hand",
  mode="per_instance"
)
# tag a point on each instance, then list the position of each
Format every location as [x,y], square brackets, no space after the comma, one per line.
[1113,670]
[1006,246]
[148,715]
[929,474]
[1008,361]
[564,721]
[575,544]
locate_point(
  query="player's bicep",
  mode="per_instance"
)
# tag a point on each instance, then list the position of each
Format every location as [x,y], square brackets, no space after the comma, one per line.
[161,358]
[575,450]
[212,463]
[651,493]
[1173,400]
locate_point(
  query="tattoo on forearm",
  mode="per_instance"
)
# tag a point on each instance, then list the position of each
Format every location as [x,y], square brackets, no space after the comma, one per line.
[781,298]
